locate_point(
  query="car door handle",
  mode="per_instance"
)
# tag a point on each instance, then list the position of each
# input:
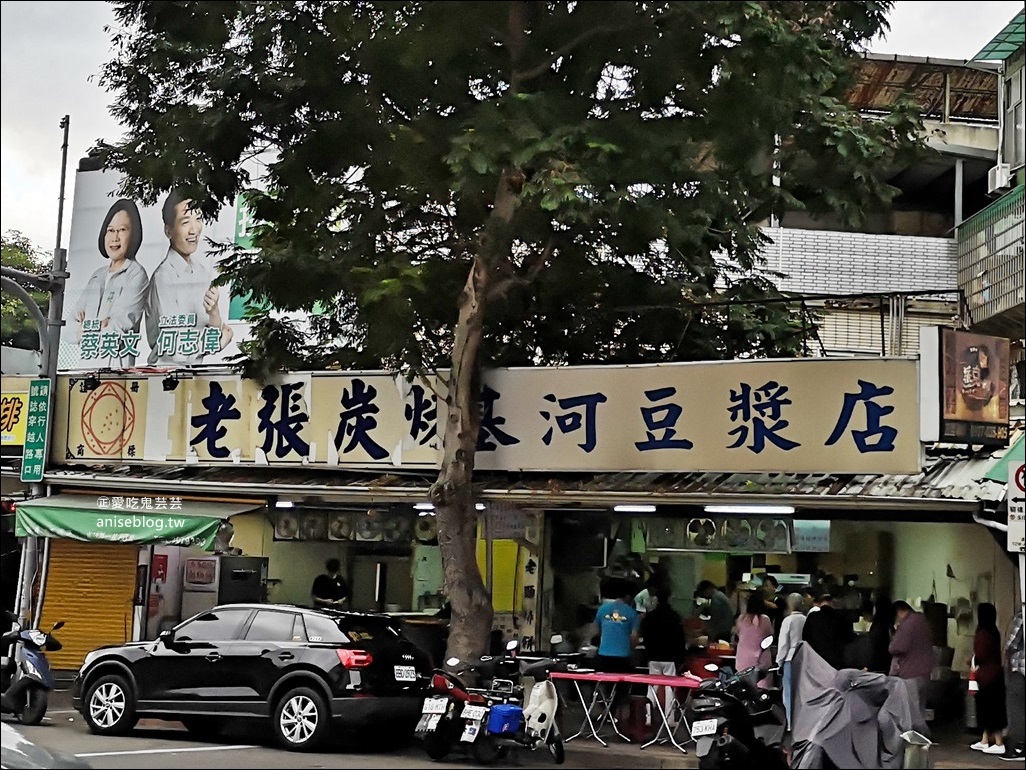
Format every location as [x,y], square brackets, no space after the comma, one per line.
[213,657]
[285,656]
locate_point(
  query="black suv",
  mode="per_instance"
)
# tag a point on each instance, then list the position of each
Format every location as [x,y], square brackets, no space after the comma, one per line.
[301,667]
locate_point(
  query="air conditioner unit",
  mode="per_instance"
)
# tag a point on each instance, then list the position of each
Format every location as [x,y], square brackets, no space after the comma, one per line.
[999,178]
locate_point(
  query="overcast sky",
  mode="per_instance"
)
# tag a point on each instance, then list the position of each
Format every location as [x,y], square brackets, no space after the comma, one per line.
[52,53]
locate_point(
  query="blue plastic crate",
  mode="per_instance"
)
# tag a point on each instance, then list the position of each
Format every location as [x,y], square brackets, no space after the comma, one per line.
[504,718]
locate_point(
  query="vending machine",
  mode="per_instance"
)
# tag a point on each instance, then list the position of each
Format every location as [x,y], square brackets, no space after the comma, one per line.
[211,580]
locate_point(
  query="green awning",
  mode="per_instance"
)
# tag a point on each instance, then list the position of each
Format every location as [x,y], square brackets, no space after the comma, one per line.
[999,470]
[1006,42]
[125,519]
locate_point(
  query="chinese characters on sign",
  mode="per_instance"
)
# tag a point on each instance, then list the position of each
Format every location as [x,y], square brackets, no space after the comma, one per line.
[33,459]
[14,418]
[180,337]
[807,415]
[97,343]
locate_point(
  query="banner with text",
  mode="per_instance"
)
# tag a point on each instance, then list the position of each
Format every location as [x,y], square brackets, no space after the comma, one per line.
[803,415]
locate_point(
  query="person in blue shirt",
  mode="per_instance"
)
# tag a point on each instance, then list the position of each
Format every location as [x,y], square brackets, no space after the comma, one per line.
[619,624]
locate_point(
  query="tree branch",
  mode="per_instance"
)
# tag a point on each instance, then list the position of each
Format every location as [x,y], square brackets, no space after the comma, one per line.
[521,75]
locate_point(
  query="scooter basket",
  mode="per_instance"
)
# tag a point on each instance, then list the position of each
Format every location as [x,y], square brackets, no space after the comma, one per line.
[504,719]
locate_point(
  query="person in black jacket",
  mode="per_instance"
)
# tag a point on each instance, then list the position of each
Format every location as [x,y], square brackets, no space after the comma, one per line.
[662,628]
[828,632]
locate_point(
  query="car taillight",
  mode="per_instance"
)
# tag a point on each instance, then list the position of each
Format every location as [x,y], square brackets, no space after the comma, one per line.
[355,658]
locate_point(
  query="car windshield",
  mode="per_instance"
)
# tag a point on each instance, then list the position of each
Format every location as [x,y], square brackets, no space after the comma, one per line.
[349,629]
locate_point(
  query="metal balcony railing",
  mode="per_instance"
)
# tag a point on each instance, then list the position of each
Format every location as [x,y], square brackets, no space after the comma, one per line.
[992,257]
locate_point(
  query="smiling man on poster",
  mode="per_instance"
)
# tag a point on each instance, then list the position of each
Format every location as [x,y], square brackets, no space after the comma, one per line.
[183,319]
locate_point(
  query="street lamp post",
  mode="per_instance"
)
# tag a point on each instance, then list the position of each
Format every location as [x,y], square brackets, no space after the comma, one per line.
[49,343]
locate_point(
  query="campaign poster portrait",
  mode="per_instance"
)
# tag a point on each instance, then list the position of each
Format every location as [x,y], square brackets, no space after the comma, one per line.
[140,289]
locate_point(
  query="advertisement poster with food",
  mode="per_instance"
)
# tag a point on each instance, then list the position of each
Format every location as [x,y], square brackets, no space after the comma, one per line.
[974,377]
[141,290]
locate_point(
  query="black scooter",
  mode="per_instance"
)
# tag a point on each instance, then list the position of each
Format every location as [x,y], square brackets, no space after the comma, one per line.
[26,686]
[735,724]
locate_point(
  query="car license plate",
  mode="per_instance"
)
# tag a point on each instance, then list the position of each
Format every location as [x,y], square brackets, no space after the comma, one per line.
[476,713]
[703,727]
[434,705]
[405,674]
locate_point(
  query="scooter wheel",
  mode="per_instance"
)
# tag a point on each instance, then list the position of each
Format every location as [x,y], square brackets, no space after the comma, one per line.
[555,746]
[486,750]
[36,700]
[437,745]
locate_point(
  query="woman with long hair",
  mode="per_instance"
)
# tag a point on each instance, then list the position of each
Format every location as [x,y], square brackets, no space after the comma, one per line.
[990,699]
[752,627]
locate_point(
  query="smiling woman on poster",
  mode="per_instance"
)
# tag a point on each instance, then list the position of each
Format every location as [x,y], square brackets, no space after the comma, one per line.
[109,309]
[183,319]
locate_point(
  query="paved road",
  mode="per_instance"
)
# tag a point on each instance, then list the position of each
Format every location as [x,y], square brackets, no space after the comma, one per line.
[157,744]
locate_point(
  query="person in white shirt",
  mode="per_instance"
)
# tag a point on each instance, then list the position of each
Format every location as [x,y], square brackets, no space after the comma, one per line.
[183,320]
[113,298]
[790,636]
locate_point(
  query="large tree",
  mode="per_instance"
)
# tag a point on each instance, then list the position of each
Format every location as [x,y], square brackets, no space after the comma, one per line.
[17,326]
[462,184]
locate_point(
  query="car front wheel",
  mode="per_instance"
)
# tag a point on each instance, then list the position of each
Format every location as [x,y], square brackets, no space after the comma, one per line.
[110,706]
[301,719]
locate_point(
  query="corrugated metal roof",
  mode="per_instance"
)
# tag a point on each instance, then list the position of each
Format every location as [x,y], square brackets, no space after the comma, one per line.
[1007,41]
[884,78]
[953,478]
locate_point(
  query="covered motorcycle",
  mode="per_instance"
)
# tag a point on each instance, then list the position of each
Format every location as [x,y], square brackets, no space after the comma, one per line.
[849,718]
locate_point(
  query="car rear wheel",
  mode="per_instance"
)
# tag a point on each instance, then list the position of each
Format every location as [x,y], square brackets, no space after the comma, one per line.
[301,719]
[110,706]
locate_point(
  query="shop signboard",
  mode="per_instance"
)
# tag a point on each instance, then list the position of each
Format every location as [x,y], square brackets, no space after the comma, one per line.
[800,416]
[13,418]
[971,405]
[139,291]
[1016,506]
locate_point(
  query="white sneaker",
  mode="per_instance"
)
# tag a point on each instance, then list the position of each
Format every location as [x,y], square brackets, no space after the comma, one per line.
[994,749]
[979,746]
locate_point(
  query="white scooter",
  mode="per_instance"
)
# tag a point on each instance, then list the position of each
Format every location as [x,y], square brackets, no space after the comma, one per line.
[502,725]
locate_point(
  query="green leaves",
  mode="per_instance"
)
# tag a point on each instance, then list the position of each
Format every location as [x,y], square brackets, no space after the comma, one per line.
[635,145]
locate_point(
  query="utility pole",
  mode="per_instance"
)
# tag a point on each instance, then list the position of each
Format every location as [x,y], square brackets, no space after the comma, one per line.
[49,341]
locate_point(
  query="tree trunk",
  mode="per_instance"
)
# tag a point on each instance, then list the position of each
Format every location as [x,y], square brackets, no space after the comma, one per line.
[453,493]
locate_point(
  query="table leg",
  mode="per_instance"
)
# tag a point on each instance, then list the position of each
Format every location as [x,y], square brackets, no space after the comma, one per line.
[587,715]
[608,714]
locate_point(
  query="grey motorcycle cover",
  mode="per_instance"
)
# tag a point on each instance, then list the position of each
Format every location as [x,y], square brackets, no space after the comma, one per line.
[848,718]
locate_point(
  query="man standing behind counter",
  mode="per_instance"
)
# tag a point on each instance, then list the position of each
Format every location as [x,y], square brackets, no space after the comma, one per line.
[183,320]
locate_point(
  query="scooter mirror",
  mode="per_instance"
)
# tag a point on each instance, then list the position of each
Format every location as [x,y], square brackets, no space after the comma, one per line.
[556,639]
[452,662]
[58,625]
[511,645]
[766,643]
[712,668]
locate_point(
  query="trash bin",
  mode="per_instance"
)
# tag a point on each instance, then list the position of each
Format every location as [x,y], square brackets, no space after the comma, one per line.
[917,751]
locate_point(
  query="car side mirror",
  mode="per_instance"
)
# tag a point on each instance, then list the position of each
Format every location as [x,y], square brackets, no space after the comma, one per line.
[167,637]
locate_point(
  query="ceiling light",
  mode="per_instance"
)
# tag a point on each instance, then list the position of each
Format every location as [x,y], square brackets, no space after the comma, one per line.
[779,510]
[480,506]
[284,504]
[635,509]
[670,550]
[423,507]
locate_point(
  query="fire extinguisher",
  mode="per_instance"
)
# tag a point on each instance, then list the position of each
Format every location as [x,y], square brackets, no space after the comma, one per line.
[974,686]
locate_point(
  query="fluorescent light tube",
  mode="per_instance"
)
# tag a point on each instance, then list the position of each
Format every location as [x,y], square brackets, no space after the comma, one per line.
[779,510]
[635,509]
